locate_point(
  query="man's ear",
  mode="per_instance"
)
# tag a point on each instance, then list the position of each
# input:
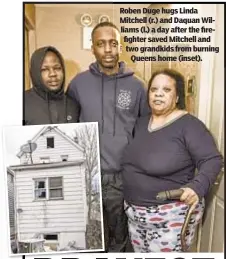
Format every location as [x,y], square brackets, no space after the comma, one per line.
[92,48]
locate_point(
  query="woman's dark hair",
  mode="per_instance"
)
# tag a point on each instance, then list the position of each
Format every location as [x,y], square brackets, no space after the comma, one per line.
[180,85]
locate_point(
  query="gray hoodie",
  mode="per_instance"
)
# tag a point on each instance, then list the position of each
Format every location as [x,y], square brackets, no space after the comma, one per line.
[115,102]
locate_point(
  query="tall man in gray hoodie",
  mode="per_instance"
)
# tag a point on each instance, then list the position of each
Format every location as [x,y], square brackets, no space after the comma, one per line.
[111,94]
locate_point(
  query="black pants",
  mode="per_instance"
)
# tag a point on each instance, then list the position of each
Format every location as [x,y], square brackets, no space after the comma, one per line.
[115,220]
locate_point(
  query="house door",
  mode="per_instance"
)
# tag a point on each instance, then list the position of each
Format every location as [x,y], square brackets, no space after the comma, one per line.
[212,113]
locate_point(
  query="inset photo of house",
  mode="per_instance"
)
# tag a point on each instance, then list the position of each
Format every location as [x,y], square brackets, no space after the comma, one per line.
[53,188]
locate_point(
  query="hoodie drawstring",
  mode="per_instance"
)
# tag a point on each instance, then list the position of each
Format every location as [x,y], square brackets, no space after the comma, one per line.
[115,103]
[48,107]
[49,112]
[65,109]
[102,103]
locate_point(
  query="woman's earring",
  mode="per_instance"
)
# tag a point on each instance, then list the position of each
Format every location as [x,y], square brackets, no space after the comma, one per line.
[177,99]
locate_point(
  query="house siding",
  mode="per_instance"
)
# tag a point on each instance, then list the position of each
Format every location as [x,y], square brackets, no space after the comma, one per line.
[61,147]
[67,215]
[10,182]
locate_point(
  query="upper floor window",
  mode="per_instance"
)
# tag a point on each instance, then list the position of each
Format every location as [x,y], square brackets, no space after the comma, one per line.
[50,142]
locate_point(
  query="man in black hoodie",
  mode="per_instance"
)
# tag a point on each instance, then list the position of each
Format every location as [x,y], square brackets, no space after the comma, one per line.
[110,94]
[46,102]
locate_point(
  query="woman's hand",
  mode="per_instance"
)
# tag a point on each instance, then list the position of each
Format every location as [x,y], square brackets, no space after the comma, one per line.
[189,197]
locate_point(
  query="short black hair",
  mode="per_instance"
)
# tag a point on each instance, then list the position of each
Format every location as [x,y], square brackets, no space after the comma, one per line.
[103,24]
[180,85]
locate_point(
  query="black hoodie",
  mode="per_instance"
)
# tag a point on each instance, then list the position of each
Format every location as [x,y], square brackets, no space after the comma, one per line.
[42,106]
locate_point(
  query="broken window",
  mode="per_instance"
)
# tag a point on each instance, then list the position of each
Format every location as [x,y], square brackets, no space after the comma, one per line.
[40,189]
[50,142]
[49,188]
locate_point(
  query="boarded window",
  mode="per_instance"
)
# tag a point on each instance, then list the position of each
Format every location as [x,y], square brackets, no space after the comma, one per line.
[50,142]
[55,187]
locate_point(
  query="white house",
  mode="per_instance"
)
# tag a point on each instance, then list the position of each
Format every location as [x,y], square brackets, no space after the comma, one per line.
[50,190]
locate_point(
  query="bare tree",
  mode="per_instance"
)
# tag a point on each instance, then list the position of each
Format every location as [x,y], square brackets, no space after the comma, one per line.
[86,137]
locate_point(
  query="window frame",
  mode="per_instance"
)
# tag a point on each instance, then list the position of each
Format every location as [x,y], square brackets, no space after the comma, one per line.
[55,188]
[51,241]
[51,234]
[47,187]
[48,146]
